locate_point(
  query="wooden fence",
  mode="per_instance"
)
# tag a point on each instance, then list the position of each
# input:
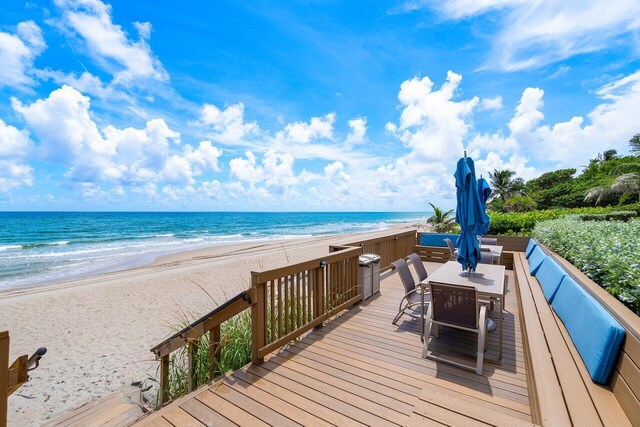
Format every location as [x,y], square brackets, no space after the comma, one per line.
[293,299]
[390,247]
[285,303]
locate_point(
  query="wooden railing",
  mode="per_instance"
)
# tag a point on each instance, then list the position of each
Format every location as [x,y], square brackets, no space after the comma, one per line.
[285,303]
[390,247]
[14,375]
[293,299]
[191,335]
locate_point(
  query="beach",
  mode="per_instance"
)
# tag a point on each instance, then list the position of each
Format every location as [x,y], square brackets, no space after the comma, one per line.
[98,330]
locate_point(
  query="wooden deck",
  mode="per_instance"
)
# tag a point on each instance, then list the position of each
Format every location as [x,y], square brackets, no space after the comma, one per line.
[361,369]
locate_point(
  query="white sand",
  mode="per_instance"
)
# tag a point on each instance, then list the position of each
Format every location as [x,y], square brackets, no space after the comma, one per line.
[98,330]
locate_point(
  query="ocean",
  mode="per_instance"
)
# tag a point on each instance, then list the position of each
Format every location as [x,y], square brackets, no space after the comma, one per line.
[47,247]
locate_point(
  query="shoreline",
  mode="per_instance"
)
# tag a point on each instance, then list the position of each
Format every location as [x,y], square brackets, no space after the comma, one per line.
[99,329]
[135,261]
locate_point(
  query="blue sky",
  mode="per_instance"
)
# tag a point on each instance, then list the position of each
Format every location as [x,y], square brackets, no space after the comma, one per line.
[316,105]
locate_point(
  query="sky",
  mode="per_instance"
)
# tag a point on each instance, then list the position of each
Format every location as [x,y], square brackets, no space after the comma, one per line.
[303,105]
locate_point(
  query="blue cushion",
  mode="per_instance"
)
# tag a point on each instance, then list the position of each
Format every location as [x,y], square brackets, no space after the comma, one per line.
[530,247]
[549,275]
[593,330]
[437,239]
[536,258]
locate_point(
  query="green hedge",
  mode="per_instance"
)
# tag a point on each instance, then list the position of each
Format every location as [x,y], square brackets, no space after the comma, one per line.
[611,216]
[521,224]
[606,251]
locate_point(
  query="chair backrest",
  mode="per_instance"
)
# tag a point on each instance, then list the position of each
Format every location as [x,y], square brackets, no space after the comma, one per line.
[418,266]
[402,268]
[486,257]
[488,241]
[450,245]
[455,305]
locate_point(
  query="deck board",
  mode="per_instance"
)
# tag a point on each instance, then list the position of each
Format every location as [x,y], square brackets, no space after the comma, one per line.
[361,369]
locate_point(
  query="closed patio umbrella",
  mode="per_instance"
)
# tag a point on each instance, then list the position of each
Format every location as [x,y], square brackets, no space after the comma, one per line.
[484,191]
[469,213]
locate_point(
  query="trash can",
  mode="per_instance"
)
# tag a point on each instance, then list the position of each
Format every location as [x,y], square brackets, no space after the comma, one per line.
[369,280]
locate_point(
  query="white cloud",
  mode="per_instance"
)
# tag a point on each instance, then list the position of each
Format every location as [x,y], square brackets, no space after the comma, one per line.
[15,148]
[303,132]
[358,132]
[109,44]
[432,123]
[18,53]
[68,135]
[491,103]
[228,126]
[536,33]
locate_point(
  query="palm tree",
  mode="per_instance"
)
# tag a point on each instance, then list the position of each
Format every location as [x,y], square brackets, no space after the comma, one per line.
[441,221]
[628,183]
[504,185]
[635,144]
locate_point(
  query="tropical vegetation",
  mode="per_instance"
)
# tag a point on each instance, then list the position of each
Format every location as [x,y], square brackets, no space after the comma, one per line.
[606,251]
[441,221]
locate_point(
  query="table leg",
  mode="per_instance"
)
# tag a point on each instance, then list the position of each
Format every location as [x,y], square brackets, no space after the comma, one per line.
[500,316]
[422,315]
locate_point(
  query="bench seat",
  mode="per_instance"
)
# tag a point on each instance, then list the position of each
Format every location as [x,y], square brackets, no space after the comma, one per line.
[561,390]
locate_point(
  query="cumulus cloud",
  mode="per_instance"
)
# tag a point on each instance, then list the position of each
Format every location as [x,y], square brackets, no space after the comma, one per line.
[537,33]
[491,103]
[68,135]
[305,132]
[15,148]
[433,123]
[112,48]
[357,135]
[17,54]
[228,126]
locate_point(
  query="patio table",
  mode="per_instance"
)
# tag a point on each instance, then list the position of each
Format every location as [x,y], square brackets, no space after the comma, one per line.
[496,252]
[488,280]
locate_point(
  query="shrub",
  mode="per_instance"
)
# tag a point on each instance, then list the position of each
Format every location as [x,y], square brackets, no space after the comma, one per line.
[611,216]
[520,204]
[522,223]
[606,251]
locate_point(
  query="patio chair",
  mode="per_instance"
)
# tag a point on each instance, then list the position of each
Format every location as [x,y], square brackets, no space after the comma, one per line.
[412,297]
[418,266]
[486,257]
[489,241]
[452,248]
[456,307]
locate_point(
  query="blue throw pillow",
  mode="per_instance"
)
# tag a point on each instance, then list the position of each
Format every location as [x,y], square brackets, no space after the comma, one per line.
[536,258]
[530,247]
[594,331]
[550,274]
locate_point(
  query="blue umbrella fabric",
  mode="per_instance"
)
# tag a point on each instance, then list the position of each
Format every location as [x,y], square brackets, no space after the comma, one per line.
[469,213]
[484,191]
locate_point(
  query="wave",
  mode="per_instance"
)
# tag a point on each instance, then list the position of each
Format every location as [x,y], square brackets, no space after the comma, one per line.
[9,247]
[164,235]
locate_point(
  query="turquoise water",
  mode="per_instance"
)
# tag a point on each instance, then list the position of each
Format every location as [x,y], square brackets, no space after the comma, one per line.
[45,247]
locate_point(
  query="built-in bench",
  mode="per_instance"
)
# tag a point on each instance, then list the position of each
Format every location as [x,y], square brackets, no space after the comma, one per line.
[580,370]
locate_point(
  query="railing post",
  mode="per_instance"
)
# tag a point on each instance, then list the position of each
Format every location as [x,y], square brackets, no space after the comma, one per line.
[164,376]
[318,294]
[4,376]
[214,349]
[258,324]
[191,348]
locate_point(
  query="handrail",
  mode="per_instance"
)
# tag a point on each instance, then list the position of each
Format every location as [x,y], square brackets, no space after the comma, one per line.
[12,377]
[224,312]
[294,299]
[285,302]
